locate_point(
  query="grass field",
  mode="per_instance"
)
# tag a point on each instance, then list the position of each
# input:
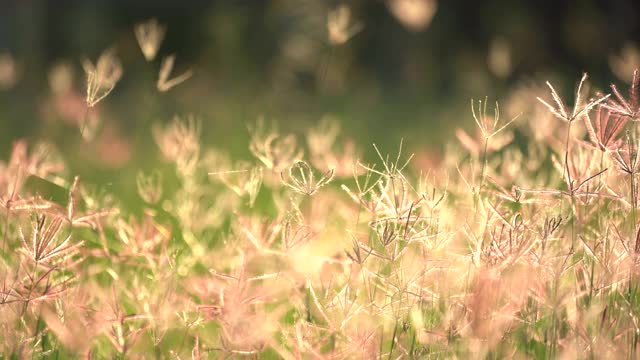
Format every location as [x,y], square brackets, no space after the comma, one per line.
[520,240]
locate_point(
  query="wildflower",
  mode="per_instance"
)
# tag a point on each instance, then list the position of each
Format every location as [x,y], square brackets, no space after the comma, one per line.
[149,35]
[164,83]
[339,25]
[301,178]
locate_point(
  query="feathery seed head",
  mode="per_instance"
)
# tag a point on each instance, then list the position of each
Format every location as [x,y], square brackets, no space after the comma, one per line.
[149,35]
[302,178]
[164,82]
[579,110]
[339,25]
[101,77]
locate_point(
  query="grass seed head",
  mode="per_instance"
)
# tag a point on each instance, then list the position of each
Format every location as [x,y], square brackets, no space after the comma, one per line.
[339,26]
[165,83]
[304,180]
[149,35]
[101,77]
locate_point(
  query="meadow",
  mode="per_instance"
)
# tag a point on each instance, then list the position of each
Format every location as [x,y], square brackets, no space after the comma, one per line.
[521,240]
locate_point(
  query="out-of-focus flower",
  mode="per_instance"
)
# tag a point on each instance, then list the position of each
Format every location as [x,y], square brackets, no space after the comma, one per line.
[415,15]
[149,35]
[340,27]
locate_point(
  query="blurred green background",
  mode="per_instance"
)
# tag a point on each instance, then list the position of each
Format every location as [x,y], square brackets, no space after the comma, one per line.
[403,75]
